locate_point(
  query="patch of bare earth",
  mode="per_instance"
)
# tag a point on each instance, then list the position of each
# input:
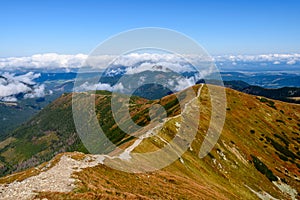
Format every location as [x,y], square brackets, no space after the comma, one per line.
[52,179]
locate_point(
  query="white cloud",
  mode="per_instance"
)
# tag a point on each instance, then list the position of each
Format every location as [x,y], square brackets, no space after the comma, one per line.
[118,87]
[37,92]
[274,58]
[174,83]
[67,62]
[291,62]
[25,78]
[90,87]
[12,85]
[136,63]
[9,99]
[99,86]
[183,83]
[171,61]
[40,61]
[13,88]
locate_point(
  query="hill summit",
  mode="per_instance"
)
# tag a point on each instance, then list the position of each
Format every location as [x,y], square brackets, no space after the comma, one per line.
[256,157]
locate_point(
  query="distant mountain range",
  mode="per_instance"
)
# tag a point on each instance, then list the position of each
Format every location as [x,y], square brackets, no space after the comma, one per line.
[287,94]
[60,83]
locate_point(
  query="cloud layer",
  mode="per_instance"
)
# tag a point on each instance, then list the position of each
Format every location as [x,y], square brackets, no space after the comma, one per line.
[69,62]
[43,61]
[289,59]
[12,85]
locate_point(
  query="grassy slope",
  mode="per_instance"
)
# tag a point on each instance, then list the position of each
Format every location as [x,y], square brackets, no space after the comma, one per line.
[256,129]
[52,131]
[253,126]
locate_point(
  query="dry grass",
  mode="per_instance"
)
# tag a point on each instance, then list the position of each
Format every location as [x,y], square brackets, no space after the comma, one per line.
[6,142]
[102,181]
[226,173]
[295,98]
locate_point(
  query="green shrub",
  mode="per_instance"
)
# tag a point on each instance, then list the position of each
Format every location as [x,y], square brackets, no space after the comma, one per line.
[283,150]
[210,155]
[280,121]
[282,157]
[263,100]
[268,102]
[262,168]
[282,139]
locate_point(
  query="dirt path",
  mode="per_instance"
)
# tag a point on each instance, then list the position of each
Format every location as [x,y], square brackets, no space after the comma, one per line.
[126,154]
[57,178]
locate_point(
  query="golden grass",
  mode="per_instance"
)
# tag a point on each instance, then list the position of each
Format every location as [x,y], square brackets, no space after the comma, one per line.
[224,174]
[294,98]
[6,142]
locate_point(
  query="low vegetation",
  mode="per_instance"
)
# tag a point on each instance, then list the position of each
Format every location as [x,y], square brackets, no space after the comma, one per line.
[262,168]
[253,151]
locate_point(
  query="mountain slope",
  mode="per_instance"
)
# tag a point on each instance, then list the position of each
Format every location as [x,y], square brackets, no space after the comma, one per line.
[257,155]
[53,131]
[287,94]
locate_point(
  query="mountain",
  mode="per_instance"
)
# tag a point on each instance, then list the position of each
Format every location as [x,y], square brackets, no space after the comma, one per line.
[287,94]
[266,79]
[13,114]
[62,82]
[256,156]
[46,134]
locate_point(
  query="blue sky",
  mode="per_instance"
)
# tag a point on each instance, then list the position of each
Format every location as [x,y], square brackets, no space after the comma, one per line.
[221,27]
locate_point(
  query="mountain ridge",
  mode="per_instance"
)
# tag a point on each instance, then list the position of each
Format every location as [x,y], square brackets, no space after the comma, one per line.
[256,153]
